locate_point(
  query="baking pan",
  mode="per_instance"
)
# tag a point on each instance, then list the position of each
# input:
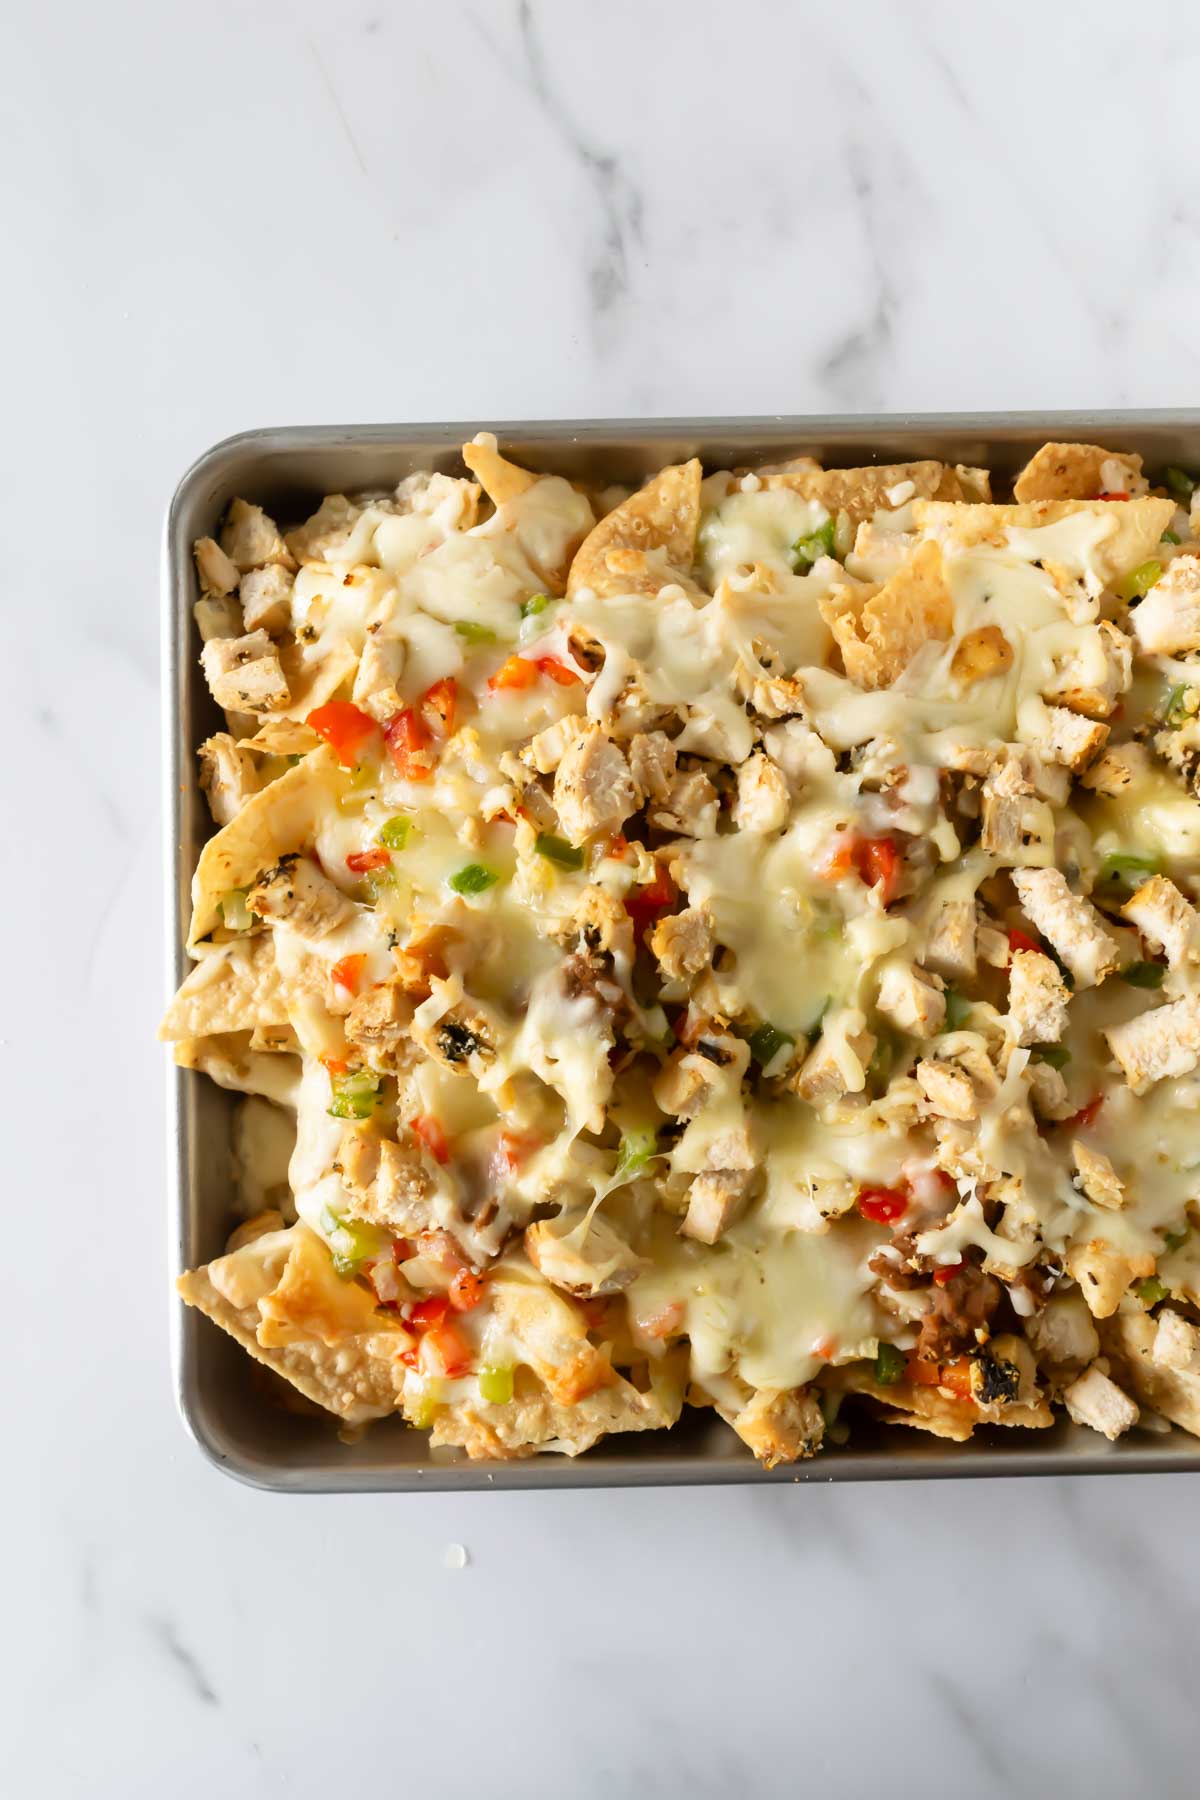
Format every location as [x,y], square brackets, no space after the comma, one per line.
[223,1398]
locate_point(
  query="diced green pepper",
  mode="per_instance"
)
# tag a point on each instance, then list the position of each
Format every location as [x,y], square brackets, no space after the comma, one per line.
[475,878]
[1128,868]
[1139,581]
[889,1365]
[496,1386]
[1175,707]
[473,632]
[1169,537]
[958,1008]
[557,850]
[350,1241]
[637,1147]
[830,1404]
[1151,1291]
[379,882]
[766,1043]
[425,1410]
[1144,974]
[1057,1055]
[536,603]
[1179,484]
[818,543]
[1176,1239]
[395,832]
[295,756]
[355,1094]
[234,911]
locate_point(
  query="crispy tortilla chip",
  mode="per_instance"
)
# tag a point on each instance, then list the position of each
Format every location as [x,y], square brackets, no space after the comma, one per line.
[237,988]
[356,1379]
[230,1060]
[534,1421]
[1071,472]
[1175,1393]
[924,1408]
[500,479]
[860,493]
[279,820]
[1133,528]
[652,537]
[281,737]
[880,630]
[314,673]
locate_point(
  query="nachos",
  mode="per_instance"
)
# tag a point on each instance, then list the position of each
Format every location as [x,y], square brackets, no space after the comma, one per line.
[731,944]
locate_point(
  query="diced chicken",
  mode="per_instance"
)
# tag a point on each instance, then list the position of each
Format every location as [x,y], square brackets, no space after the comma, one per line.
[546,749]
[771,695]
[1096,1400]
[266,596]
[1018,829]
[598,923]
[715,1199]
[1048,1092]
[689,1078]
[950,947]
[1162,1042]
[837,1062]
[949,1092]
[1167,622]
[1069,922]
[1117,769]
[912,1002]
[780,1425]
[244,673]
[690,807]
[652,762]
[762,796]
[389,1183]
[1104,1273]
[1176,1343]
[992,945]
[218,574]
[228,775]
[1037,998]
[1097,1177]
[218,616]
[379,669]
[1063,1334]
[980,655]
[593,789]
[584,1257]
[297,894]
[683,943]
[1161,913]
[1174,1393]
[250,539]
[1062,736]
[380,1017]
[1098,670]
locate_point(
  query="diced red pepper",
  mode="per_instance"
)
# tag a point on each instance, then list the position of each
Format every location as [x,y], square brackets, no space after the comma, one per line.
[956,1376]
[558,671]
[922,1374]
[445,1351]
[617,847]
[346,728]
[882,1205]
[401,1250]
[1019,940]
[1086,1115]
[514,672]
[439,704]
[424,1314]
[360,861]
[516,1147]
[825,1348]
[427,1128]
[945,1272]
[1112,496]
[466,1290]
[335,1065]
[876,861]
[408,740]
[644,904]
[347,973]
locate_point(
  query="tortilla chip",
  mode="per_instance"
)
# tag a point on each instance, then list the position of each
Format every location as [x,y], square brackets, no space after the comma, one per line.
[314,673]
[281,737]
[1071,472]
[229,1059]
[880,630]
[924,1408]
[534,1421]
[1175,1393]
[1135,527]
[279,820]
[651,536]
[237,988]
[860,493]
[500,479]
[356,1380]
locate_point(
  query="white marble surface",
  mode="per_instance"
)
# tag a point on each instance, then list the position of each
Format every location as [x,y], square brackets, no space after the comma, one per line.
[223,216]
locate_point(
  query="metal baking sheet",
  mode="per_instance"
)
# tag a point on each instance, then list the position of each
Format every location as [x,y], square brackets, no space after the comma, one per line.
[225,1402]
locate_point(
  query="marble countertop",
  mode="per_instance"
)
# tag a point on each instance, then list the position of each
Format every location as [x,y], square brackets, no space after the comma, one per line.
[250,214]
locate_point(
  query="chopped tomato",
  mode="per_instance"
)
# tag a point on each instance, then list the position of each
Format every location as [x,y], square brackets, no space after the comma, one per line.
[466,1290]
[401,1250]
[426,1313]
[945,1272]
[876,861]
[644,904]
[883,1206]
[407,740]
[558,671]
[445,1351]
[956,1376]
[426,1127]
[840,862]
[1018,940]
[617,847]
[347,973]
[408,1356]
[515,672]
[516,1147]
[360,861]
[346,728]
[1086,1115]
[335,1065]
[439,705]
[921,1374]
[1112,496]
